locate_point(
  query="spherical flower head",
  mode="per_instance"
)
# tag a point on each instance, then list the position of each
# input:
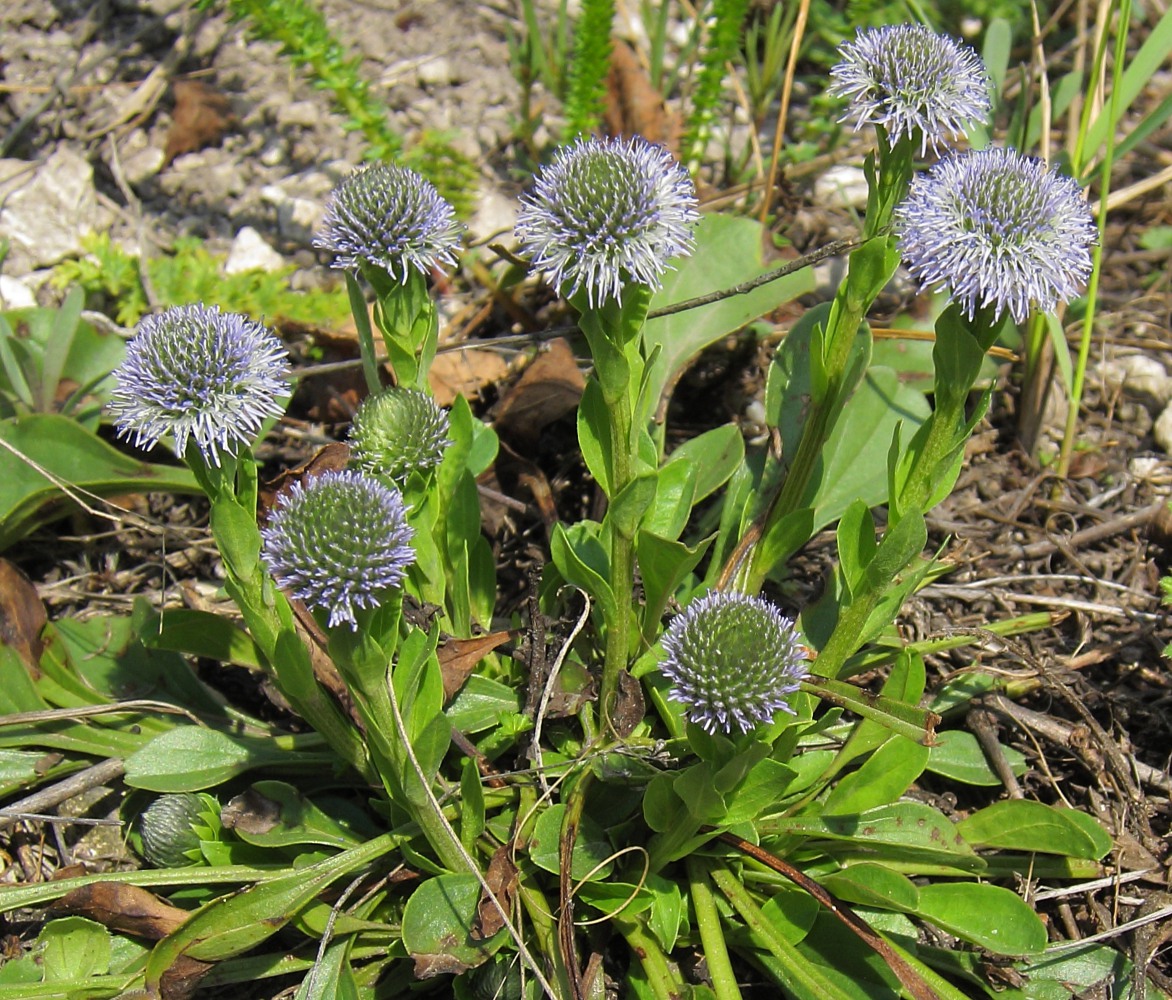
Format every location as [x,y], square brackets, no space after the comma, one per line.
[605,212]
[907,78]
[196,373]
[998,230]
[398,430]
[733,661]
[339,542]
[390,217]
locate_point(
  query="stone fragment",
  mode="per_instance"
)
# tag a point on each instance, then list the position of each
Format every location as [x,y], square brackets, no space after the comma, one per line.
[843,186]
[1162,430]
[250,252]
[15,294]
[1140,377]
[47,210]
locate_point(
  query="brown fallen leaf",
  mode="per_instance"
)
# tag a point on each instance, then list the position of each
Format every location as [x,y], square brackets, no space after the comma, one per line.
[126,908]
[201,117]
[633,106]
[548,390]
[464,373]
[458,658]
[501,878]
[332,458]
[22,616]
[251,812]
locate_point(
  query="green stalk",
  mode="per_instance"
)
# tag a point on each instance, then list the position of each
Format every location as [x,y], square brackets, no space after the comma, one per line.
[1088,326]
[724,981]
[663,979]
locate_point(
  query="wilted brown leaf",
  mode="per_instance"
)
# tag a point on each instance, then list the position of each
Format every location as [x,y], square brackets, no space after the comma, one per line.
[22,615]
[202,115]
[464,373]
[502,880]
[251,812]
[458,658]
[547,390]
[126,908]
[332,458]
[633,106]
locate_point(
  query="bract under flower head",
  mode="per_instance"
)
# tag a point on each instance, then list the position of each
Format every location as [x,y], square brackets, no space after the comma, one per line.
[605,212]
[339,542]
[390,217]
[398,430]
[194,372]
[733,661]
[998,230]
[907,78]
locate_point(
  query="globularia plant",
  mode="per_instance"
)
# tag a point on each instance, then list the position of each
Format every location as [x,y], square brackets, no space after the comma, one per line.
[656,754]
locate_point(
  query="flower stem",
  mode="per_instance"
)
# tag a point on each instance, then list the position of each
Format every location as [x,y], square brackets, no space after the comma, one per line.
[724,981]
[659,972]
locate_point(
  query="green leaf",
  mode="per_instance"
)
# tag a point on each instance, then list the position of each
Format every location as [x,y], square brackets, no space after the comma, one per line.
[957,755]
[902,824]
[594,435]
[1022,825]
[897,716]
[438,921]
[675,494]
[582,561]
[875,886]
[985,915]
[74,949]
[480,703]
[713,456]
[230,925]
[237,536]
[664,565]
[885,776]
[191,758]
[203,634]
[628,508]
[292,819]
[70,456]
[591,846]
[728,252]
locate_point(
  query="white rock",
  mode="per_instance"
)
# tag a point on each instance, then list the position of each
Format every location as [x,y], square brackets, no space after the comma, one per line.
[435,72]
[1141,377]
[496,213]
[304,114]
[843,186]
[46,212]
[15,294]
[299,218]
[1162,431]
[250,252]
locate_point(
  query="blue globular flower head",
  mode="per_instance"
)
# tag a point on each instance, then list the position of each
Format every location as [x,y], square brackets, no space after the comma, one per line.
[605,212]
[199,374]
[733,661]
[906,78]
[390,217]
[339,542]
[398,430]
[999,230]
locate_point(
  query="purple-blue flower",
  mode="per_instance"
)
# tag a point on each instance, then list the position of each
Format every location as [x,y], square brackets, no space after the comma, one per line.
[999,231]
[196,373]
[908,79]
[733,661]
[398,430]
[339,542]
[390,217]
[607,212]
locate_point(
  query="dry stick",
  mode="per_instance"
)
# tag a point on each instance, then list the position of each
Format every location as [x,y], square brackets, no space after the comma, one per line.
[830,250]
[980,723]
[787,85]
[49,798]
[1095,533]
[522,950]
[1066,734]
[912,980]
